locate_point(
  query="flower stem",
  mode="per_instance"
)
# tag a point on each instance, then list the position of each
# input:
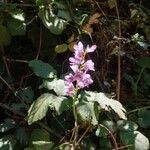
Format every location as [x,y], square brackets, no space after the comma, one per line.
[75,117]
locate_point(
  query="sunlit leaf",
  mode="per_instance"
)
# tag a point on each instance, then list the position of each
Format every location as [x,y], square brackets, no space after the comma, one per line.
[17,14]
[40,145]
[88,111]
[57,85]
[125,125]
[135,140]
[41,69]
[40,107]
[105,129]
[106,103]
[53,23]
[39,135]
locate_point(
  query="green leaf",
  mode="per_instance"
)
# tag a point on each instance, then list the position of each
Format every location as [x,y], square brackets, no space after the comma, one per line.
[60,104]
[125,125]
[136,140]
[57,85]
[39,135]
[5,37]
[41,69]
[106,103]
[22,135]
[87,143]
[25,94]
[61,48]
[16,27]
[53,23]
[7,125]
[7,142]
[105,144]
[39,108]
[88,111]
[43,145]
[17,14]
[102,131]
[144,119]
[144,62]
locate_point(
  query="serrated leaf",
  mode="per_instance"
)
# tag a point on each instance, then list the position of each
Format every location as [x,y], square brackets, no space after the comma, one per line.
[144,119]
[106,103]
[125,125]
[88,112]
[5,37]
[41,69]
[60,104]
[40,107]
[102,131]
[61,48]
[7,142]
[42,145]
[16,27]
[39,135]
[57,85]
[136,140]
[7,125]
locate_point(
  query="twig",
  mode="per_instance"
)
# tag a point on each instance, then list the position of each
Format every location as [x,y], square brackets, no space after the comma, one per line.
[119,62]
[49,130]
[123,147]
[16,60]
[83,135]
[113,138]
[12,110]
[132,111]
[7,84]
[40,43]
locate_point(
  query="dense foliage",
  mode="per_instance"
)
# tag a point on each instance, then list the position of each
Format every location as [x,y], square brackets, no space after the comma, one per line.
[108,108]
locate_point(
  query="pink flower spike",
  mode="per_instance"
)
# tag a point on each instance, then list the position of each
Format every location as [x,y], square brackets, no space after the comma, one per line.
[91,49]
[79,47]
[89,65]
[74,68]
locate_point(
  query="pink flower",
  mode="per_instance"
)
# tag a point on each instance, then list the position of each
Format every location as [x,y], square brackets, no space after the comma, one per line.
[91,49]
[79,78]
[89,65]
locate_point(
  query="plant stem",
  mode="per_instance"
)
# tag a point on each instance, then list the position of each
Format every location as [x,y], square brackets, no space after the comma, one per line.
[75,117]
